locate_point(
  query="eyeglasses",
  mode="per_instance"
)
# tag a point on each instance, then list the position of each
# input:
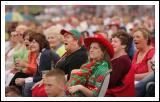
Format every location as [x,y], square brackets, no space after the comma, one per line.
[17,35]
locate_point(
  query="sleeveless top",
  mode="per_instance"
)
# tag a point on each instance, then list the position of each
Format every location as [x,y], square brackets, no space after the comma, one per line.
[142,66]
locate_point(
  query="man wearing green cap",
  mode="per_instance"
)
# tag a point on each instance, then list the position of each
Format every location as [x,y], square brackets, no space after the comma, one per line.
[71,39]
[75,55]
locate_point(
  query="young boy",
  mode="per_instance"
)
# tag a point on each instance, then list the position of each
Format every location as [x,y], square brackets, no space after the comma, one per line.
[54,82]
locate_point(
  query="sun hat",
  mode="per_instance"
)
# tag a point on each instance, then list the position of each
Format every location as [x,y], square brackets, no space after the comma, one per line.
[101,39]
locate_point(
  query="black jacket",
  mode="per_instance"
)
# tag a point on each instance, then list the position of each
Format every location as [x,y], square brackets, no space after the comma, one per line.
[73,61]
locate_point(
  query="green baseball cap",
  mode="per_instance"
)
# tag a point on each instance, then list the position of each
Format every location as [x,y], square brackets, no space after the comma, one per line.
[74,32]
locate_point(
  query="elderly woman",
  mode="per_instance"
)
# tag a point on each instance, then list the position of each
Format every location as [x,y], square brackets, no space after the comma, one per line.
[141,60]
[20,29]
[19,52]
[100,52]
[18,49]
[55,39]
[15,48]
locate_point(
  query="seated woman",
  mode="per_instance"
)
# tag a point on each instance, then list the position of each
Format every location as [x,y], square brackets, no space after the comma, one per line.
[40,46]
[88,80]
[121,64]
[20,53]
[55,40]
[145,52]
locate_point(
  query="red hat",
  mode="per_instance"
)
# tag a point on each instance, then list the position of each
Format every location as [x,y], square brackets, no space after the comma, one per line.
[99,38]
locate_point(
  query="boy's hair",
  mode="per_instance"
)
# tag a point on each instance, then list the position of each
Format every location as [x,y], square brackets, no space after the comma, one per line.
[57,73]
[12,89]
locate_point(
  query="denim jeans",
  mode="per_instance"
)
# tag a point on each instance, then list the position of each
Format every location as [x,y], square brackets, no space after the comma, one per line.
[27,89]
[141,85]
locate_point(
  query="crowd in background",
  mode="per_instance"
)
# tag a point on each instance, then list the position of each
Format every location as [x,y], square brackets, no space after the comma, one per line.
[121,39]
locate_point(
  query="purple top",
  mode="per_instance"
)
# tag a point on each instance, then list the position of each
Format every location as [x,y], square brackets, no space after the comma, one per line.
[120,67]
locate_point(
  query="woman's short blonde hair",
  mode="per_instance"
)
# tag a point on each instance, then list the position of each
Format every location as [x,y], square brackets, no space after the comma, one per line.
[54,30]
[21,28]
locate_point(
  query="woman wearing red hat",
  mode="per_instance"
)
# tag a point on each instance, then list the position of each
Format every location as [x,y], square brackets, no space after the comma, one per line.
[100,52]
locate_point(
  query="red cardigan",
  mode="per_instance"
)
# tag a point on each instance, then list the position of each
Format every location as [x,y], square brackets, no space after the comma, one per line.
[32,64]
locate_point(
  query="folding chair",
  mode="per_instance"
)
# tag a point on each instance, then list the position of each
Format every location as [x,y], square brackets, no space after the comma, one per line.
[105,84]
